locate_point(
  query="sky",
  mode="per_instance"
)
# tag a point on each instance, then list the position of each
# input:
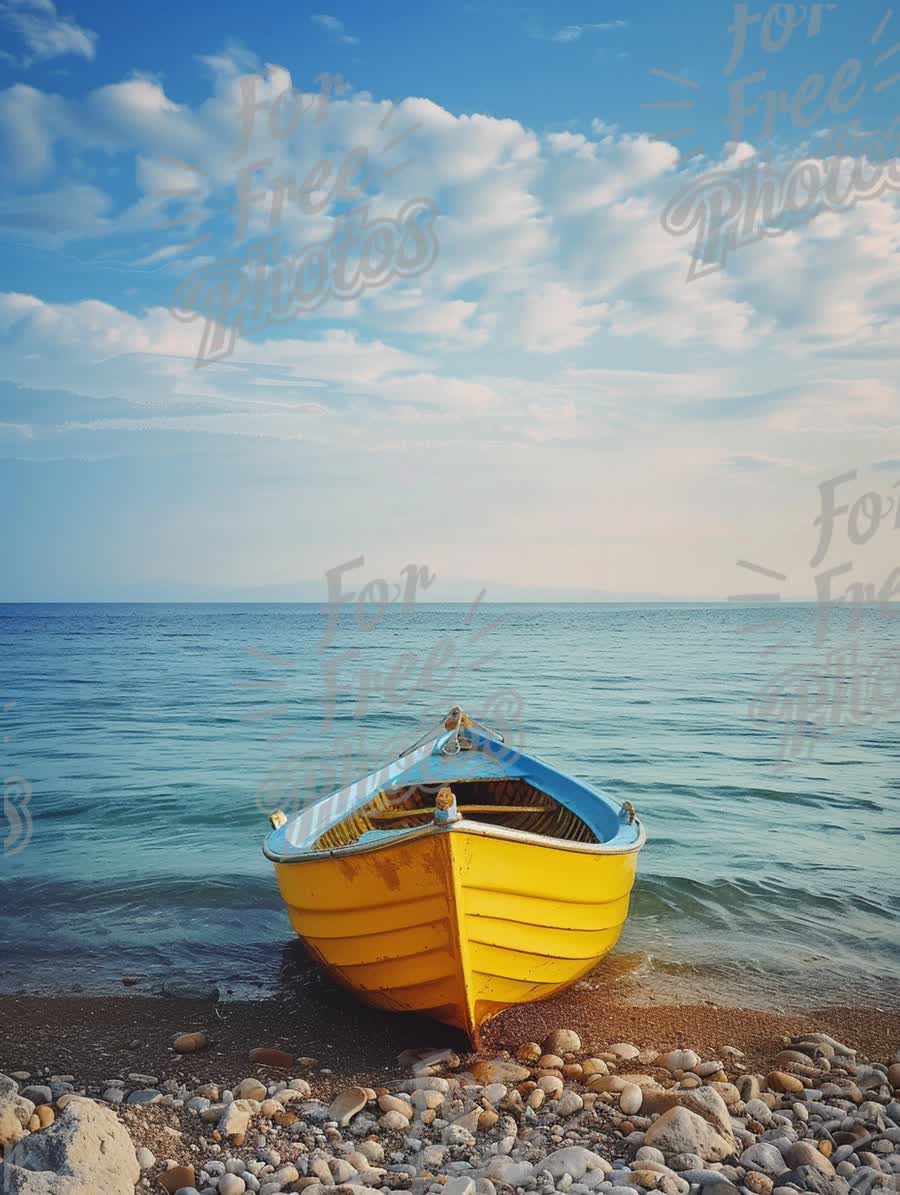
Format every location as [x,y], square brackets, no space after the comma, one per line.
[578,300]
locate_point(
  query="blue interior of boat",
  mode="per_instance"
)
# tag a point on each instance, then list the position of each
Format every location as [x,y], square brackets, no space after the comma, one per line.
[484,758]
[488,758]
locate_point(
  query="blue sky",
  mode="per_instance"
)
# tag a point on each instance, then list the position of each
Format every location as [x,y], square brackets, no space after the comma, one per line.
[542,403]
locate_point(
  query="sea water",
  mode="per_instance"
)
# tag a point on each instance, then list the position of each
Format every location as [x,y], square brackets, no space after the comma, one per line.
[143,746]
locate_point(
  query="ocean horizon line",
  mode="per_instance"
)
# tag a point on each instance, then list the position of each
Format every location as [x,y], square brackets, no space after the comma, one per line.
[608,601]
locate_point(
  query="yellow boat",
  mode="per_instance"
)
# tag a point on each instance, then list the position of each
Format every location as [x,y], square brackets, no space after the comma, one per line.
[460,879]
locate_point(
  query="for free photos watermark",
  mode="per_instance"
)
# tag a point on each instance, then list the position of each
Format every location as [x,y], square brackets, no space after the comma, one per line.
[850,679]
[303,778]
[16,811]
[263,284]
[725,210]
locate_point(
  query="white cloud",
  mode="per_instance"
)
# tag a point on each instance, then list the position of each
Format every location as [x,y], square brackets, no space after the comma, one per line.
[831,282]
[73,210]
[16,431]
[417,310]
[550,244]
[868,408]
[555,317]
[623,387]
[335,27]
[44,342]
[28,118]
[585,176]
[44,33]
[756,463]
[148,359]
[552,421]
[544,239]
[87,330]
[570,33]
[650,464]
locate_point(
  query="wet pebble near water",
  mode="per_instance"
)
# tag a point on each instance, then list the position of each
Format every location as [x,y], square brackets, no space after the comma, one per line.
[553,1117]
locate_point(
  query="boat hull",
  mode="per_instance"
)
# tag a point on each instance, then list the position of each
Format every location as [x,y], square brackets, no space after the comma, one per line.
[459,922]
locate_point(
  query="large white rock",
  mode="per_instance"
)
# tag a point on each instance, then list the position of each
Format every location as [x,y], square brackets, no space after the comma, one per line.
[562,1041]
[765,1157]
[346,1105]
[804,1153]
[624,1049]
[231,1184]
[15,1113]
[569,1103]
[84,1151]
[574,1160]
[341,1171]
[494,1093]
[506,1170]
[678,1060]
[758,1110]
[235,1120]
[372,1150]
[594,1179]
[680,1131]
[15,1181]
[707,1102]
[459,1186]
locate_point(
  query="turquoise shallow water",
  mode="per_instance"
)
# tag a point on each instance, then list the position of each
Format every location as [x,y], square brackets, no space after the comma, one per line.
[155,737]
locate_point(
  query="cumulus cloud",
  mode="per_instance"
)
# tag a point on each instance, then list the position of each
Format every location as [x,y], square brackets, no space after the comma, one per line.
[546,241]
[44,33]
[72,210]
[555,317]
[552,258]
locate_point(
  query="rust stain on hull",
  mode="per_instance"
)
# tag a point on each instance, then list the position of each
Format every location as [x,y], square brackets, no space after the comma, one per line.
[459,925]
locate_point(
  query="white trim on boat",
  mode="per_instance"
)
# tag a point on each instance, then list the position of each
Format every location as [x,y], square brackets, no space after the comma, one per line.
[463,826]
[312,822]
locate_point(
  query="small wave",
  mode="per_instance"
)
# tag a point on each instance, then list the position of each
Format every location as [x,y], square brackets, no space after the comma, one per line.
[191,895]
[769,897]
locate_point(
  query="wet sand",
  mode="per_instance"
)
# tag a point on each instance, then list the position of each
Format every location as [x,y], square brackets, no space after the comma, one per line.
[94,1037]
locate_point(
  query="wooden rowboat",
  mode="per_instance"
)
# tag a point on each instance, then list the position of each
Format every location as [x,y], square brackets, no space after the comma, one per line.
[460,879]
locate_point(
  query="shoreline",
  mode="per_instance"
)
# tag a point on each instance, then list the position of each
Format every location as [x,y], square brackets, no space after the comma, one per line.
[627,977]
[93,1036]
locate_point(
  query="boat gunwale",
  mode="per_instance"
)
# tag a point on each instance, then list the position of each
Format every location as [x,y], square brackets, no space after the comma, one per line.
[463,826]
[305,851]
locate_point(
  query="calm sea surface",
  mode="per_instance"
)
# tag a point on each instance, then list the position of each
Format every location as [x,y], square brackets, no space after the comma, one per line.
[155,738]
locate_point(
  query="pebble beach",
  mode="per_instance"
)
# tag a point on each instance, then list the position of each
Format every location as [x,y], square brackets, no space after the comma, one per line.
[191,1096]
